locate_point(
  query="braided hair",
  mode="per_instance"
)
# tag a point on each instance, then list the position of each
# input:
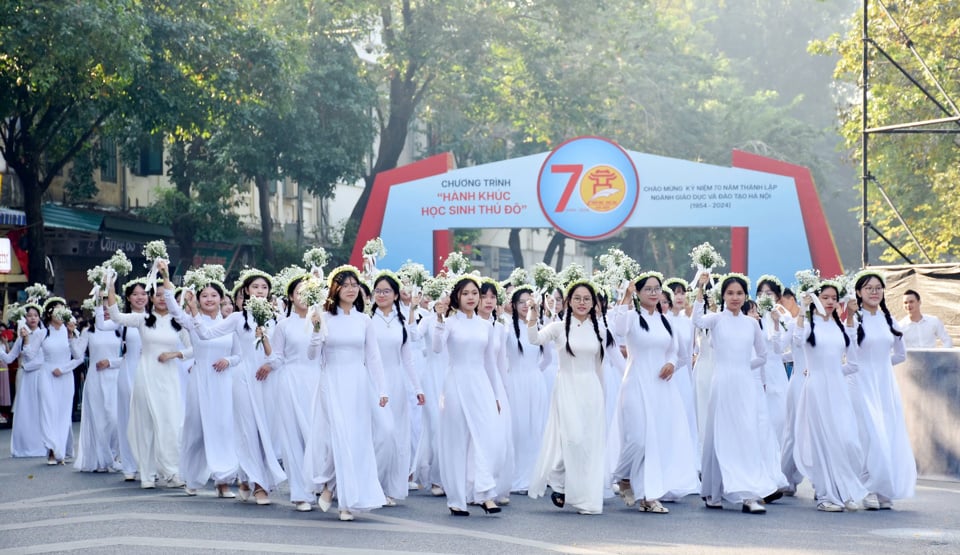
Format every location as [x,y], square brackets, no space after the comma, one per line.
[568,315]
[643,322]
[151,319]
[861,334]
[515,304]
[604,303]
[489,287]
[245,287]
[729,280]
[395,287]
[812,338]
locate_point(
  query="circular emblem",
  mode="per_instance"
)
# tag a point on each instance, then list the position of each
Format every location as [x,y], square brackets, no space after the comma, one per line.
[588,188]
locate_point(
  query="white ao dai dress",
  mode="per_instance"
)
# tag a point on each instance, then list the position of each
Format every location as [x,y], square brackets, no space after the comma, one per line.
[25,439]
[130,347]
[207,448]
[657,453]
[572,454]
[156,405]
[471,429]
[427,459]
[732,466]
[56,393]
[339,451]
[826,444]
[391,427]
[256,449]
[890,470]
[297,379]
[98,448]
[529,403]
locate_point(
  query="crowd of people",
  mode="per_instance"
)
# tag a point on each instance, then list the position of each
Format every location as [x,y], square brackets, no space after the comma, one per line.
[358,386]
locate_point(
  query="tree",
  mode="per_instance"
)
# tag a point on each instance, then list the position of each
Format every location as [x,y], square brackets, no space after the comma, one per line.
[311,122]
[919,172]
[65,70]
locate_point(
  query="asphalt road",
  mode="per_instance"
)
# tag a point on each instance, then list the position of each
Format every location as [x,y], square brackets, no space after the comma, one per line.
[55,509]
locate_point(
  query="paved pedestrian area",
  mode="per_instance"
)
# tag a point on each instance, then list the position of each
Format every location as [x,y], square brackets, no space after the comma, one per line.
[57,510]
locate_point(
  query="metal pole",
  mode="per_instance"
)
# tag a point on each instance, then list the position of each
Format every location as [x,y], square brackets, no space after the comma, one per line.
[864,137]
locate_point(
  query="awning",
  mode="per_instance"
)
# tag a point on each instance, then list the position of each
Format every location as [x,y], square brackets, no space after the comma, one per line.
[9,216]
[116,226]
[70,218]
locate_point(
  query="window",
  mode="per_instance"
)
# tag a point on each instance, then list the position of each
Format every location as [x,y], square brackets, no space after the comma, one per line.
[150,161]
[108,160]
[505,263]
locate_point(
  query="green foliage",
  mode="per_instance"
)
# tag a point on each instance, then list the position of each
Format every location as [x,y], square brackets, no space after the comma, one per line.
[918,172]
[80,185]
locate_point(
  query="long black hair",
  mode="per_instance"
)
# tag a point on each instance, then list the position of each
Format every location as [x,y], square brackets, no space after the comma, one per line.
[246,295]
[336,283]
[812,339]
[643,322]
[593,318]
[151,319]
[291,287]
[48,315]
[127,308]
[455,294]
[515,304]
[861,335]
[395,287]
[487,287]
[726,283]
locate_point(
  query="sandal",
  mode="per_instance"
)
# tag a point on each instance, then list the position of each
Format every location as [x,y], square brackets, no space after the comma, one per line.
[626,493]
[653,506]
[558,499]
[261,495]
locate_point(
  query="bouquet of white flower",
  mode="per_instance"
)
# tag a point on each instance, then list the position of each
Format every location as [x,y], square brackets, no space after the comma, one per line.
[155,250]
[96,275]
[375,248]
[15,312]
[765,304]
[216,272]
[705,257]
[195,280]
[573,272]
[436,287]
[518,277]
[62,313]
[316,258]
[262,311]
[88,304]
[544,277]
[456,264]
[414,273]
[617,270]
[119,263]
[37,292]
[807,280]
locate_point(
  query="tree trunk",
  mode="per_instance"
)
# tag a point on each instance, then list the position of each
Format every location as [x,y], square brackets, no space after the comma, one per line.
[32,201]
[554,247]
[266,223]
[393,136]
[514,243]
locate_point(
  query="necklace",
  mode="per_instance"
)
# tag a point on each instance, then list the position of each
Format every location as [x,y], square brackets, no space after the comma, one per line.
[386,320]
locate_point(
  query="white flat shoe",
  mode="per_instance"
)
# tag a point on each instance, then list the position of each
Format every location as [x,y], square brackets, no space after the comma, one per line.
[325,501]
[390,502]
[190,492]
[829,507]
[437,491]
[346,516]
[851,505]
[243,494]
[871,502]
[303,507]
[148,485]
[753,507]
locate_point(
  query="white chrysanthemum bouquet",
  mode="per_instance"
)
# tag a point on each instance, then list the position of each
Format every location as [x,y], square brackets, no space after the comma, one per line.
[808,281]
[413,275]
[262,311]
[456,264]
[705,259]
[36,293]
[316,259]
[63,313]
[119,263]
[617,271]
[436,287]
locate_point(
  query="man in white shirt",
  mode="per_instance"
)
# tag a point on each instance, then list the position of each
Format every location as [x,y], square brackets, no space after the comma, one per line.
[920,331]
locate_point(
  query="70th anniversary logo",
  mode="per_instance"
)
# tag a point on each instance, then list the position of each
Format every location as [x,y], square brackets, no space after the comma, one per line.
[588,188]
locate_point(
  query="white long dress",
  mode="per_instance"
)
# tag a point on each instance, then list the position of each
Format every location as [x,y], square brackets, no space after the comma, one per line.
[657,453]
[827,447]
[98,447]
[794,388]
[471,429]
[25,438]
[572,454]
[208,448]
[131,347]
[427,459]
[339,451]
[256,449]
[56,393]
[775,380]
[890,469]
[391,427]
[529,403]
[731,467]
[156,407]
[683,330]
[703,380]
[297,379]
